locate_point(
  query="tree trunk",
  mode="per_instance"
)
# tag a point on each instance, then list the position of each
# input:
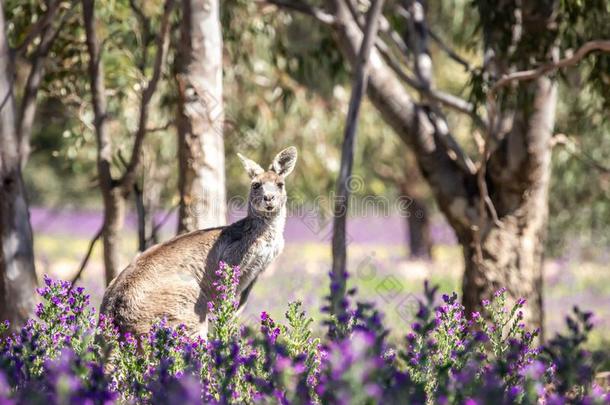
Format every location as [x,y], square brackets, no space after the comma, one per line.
[114,218]
[116,191]
[111,193]
[17,272]
[518,175]
[417,221]
[200,118]
[420,244]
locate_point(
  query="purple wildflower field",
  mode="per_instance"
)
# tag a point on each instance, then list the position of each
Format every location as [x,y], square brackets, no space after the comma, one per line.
[394,341]
[377,256]
[67,354]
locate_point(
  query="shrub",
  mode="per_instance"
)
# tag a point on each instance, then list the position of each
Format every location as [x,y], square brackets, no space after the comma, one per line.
[68,354]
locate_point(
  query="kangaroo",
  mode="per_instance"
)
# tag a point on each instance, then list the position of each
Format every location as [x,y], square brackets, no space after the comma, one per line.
[173,280]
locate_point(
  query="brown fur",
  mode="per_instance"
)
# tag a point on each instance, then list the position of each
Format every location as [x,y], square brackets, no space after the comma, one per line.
[173,280]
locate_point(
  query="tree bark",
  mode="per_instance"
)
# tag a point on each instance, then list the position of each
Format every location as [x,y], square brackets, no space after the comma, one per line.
[518,175]
[17,272]
[200,118]
[417,221]
[420,244]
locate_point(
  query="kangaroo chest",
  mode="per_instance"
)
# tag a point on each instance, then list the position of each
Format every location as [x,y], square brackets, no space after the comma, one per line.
[260,256]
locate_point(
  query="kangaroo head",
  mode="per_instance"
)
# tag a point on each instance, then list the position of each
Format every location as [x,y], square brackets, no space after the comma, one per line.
[267,191]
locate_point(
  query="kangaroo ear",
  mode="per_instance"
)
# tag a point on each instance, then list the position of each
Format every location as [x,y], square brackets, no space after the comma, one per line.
[252,168]
[284,162]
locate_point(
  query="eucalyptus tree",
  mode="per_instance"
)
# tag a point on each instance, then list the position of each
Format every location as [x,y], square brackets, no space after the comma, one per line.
[201,153]
[116,189]
[495,199]
[28,31]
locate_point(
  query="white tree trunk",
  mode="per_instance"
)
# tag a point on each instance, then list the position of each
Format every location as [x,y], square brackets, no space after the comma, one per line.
[200,118]
[17,272]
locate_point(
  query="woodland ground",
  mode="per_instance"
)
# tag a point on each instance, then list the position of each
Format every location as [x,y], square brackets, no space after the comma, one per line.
[377,264]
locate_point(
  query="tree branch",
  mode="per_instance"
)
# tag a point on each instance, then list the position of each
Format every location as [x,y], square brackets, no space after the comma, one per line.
[436,38]
[426,91]
[98,98]
[85,260]
[440,166]
[526,75]
[37,28]
[27,108]
[584,50]
[451,101]
[450,52]
[162,45]
[145,25]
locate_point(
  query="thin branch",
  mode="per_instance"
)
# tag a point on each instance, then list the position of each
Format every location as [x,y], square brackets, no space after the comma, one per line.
[436,38]
[339,250]
[162,128]
[85,260]
[450,52]
[304,8]
[584,50]
[418,35]
[455,103]
[162,47]
[98,98]
[144,22]
[574,149]
[27,108]
[37,28]
[160,224]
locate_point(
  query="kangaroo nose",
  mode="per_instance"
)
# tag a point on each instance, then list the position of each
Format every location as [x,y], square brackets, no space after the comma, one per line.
[269,198]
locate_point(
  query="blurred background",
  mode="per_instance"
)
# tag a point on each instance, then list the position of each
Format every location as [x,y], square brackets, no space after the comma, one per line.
[285,82]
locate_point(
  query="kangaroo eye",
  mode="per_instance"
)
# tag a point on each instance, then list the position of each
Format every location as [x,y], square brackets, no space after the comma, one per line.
[256,185]
[280,185]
